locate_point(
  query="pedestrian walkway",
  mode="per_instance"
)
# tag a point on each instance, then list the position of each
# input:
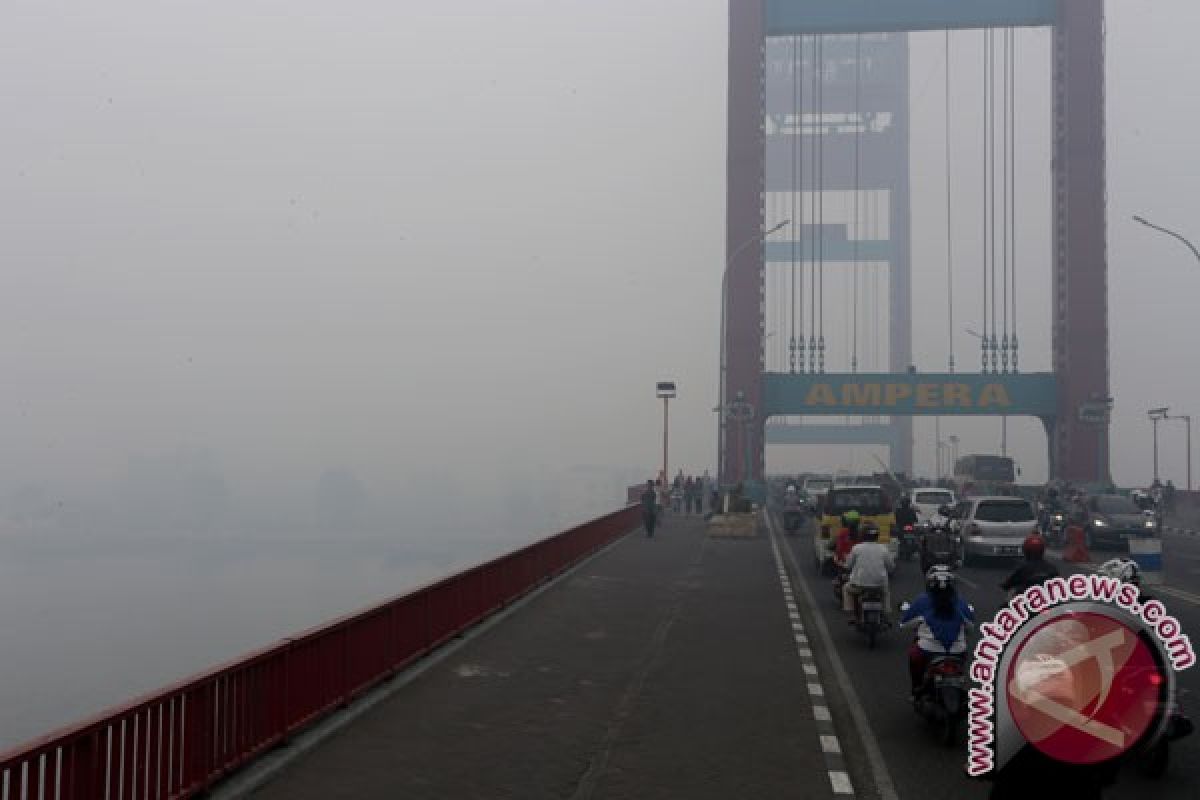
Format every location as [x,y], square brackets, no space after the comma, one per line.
[663,668]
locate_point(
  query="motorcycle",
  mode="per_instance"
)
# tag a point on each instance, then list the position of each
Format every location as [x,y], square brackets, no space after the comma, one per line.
[1055,528]
[1152,760]
[793,518]
[870,614]
[942,699]
[840,577]
[907,547]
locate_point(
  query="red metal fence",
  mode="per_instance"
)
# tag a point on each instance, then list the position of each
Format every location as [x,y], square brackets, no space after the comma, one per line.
[180,740]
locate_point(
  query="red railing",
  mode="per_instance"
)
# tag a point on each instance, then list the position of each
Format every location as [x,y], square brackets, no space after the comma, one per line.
[181,739]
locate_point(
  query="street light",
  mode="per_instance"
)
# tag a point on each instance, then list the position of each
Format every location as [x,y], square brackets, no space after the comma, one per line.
[1168,232]
[1155,415]
[721,403]
[1161,414]
[666,391]
[1004,418]
[1187,418]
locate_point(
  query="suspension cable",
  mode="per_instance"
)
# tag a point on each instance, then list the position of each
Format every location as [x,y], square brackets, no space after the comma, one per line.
[1012,197]
[949,244]
[798,220]
[797,129]
[983,339]
[858,126]
[815,233]
[992,168]
[821,201]
[1004,247]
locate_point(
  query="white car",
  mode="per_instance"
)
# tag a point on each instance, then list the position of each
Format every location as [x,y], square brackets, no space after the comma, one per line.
[926,502]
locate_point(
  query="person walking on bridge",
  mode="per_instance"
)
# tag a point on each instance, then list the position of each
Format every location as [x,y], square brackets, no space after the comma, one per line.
[649,509]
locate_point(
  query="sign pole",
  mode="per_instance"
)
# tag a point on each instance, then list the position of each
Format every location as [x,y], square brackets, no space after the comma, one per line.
[666,474]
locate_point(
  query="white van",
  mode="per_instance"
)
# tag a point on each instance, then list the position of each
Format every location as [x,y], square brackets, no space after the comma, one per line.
[926,502]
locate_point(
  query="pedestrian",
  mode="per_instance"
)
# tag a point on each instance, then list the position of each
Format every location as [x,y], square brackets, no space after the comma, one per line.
[649,509]
[689,494]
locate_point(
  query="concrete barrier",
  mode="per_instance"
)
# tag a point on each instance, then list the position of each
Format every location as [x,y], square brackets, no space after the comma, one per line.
[1147,554]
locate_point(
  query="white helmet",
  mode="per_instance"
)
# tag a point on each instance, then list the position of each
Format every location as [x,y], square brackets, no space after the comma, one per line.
[939,577]
[1122,569]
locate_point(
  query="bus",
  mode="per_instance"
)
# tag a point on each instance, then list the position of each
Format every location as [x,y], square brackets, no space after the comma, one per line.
[976,469]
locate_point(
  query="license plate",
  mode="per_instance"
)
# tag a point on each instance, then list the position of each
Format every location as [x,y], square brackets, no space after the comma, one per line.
[947,680]
[872,605]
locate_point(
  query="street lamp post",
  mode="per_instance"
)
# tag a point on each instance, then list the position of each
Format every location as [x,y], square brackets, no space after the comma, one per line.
[1155,415]
[665,390]
[1187,420]
[721,400]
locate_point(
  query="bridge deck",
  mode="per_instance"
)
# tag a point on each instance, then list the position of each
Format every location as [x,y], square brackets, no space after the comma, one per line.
[664,667]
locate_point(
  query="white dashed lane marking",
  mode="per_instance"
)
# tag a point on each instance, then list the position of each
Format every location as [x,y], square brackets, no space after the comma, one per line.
[839,779]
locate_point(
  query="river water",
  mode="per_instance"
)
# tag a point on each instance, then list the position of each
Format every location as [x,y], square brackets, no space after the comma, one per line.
[87,623]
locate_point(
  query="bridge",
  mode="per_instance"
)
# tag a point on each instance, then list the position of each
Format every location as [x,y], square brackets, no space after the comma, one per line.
[818,106]
[604,663]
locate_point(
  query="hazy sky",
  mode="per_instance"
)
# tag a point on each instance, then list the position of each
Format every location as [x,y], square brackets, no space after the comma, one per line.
[459,238]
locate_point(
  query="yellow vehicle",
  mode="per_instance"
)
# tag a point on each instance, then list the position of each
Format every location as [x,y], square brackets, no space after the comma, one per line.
[874,507]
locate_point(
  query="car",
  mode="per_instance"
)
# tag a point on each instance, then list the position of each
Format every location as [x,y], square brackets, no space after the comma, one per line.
[874,507]
[994,526]
[927,501]
[1112,519]
[814,489]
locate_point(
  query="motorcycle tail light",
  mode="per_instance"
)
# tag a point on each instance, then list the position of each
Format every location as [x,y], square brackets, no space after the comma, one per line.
[948,667]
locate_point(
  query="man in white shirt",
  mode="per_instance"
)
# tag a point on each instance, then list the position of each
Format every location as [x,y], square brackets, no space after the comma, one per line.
[869,564]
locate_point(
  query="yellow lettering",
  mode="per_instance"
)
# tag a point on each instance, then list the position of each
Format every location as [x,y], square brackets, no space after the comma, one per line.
[956,394]
[929,395]
[860,394]
[994,394]
[821,394]
[896,392]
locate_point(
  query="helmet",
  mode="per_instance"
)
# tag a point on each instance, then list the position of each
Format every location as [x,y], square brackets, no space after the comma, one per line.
[1122,569]
[791,489]
[905,501]
[850,519]
[939,577]
[1034,546]
[871,533]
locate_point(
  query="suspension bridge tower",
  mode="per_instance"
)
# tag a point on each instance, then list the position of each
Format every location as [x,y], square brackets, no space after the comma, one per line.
[778,120]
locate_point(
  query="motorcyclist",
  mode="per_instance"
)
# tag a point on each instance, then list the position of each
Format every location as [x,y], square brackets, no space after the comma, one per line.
[939,545]
[941,617]
[1050,505]
[847,537]
[1035,570]
[869,565]
[905,513]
